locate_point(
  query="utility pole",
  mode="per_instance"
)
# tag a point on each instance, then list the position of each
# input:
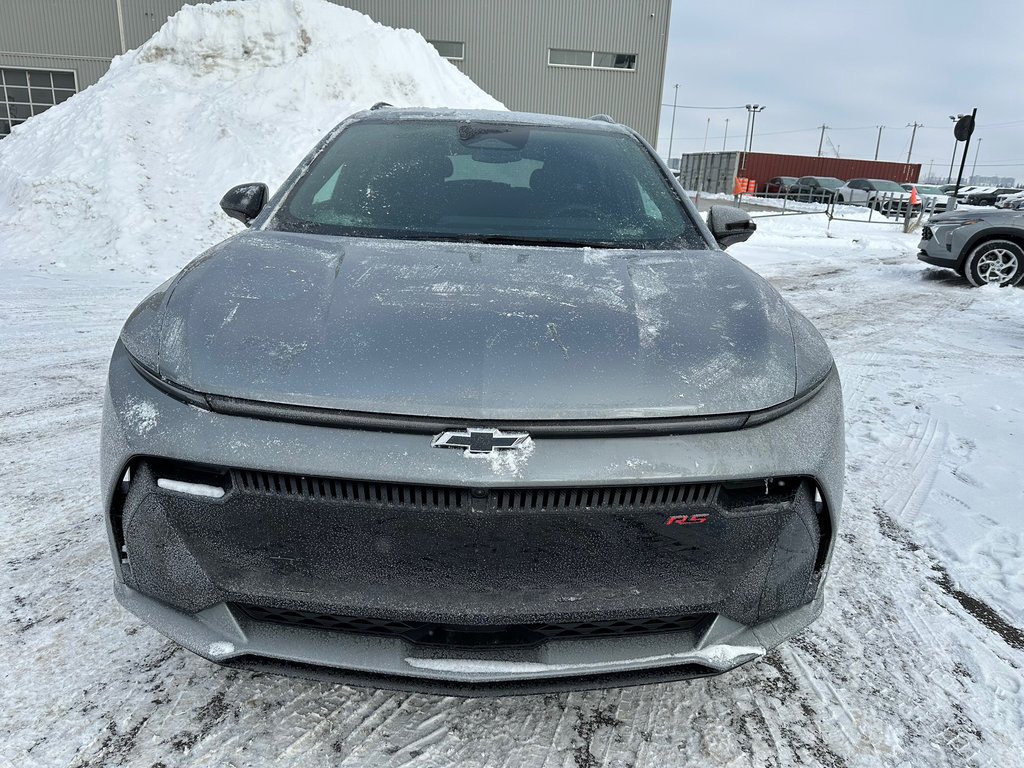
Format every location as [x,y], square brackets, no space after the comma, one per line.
[879,142]
[977,151]
[821,141]
[913,133]
[672,130]
[726,137]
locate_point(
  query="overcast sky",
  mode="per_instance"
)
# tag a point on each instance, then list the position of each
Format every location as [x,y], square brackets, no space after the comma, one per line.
[853,66]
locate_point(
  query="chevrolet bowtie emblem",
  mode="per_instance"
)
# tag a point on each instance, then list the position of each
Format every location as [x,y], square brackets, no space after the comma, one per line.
[480,440]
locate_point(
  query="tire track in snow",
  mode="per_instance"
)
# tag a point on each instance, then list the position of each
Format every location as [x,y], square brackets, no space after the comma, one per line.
[919,461]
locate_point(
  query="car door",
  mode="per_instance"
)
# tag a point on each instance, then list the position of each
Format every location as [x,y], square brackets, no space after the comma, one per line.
[860,191]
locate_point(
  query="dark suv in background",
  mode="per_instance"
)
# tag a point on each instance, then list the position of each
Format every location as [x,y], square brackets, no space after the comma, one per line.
[816,189]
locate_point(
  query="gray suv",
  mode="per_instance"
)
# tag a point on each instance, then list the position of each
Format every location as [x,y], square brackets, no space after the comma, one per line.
[986,247]
[476,403]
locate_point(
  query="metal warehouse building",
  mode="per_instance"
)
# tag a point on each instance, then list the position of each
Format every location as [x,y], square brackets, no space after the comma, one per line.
[570,57]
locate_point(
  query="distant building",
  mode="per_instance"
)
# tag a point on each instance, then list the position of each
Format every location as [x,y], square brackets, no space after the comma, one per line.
[571,57]
[992,181]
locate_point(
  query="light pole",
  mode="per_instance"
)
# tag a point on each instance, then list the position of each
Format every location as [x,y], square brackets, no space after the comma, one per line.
[949,177]
[726,137]
[879,142]
[754,109]
[974,167]
[672,130]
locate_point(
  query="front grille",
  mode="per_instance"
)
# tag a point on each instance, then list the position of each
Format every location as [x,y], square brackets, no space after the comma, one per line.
[475,636]
[926,233]
[419,497]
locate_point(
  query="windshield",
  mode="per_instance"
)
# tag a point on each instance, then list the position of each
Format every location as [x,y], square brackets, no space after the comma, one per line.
[887,186]
[828,183]
[448,180]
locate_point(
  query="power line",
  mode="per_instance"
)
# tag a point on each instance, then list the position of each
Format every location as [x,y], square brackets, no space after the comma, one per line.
[691,106]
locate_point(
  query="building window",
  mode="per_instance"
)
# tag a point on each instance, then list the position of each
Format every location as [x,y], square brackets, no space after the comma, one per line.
[450,50]
[27,92]
[560,57]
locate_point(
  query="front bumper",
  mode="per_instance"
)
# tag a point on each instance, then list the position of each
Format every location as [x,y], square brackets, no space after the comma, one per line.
[178,571]
[944,244]
[226,635]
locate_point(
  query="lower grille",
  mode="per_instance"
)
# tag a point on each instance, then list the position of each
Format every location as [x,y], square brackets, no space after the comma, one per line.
[420,497]
[476,636]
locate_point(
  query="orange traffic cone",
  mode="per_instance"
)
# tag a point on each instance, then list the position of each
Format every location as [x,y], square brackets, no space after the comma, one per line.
[913,196]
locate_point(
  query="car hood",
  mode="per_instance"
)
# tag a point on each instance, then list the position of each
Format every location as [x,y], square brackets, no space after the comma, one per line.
[983,214]
[478,331]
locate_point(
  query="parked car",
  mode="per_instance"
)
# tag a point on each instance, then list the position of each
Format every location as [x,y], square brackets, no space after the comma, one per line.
[962,194]
[988,196]
[1012,202]
[815,188]
[476,403]
[779,185]
[986,247]
[880,194]
[932,196]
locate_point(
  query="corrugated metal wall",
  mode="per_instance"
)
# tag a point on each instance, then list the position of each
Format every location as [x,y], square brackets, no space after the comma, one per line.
[709,171]
[718,170]
[507,50]
[144,17]
[506,45]
[60,28]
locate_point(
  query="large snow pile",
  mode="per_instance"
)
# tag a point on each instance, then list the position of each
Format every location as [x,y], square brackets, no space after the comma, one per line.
[129,172]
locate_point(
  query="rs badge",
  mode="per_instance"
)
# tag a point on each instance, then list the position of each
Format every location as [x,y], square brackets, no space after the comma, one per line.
[687,519]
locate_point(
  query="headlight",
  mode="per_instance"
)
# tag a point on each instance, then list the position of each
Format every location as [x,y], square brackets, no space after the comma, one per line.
[813,357]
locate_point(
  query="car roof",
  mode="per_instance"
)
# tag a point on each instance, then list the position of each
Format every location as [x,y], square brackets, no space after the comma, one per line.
[388,114]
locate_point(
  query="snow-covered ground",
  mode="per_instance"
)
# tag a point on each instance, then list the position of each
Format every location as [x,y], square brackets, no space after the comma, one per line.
[916,661]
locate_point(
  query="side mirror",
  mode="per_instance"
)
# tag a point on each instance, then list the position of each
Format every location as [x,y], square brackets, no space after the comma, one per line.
[245,201]
[730,225]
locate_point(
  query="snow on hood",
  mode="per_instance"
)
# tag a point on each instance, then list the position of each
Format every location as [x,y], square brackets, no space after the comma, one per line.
[132,169]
